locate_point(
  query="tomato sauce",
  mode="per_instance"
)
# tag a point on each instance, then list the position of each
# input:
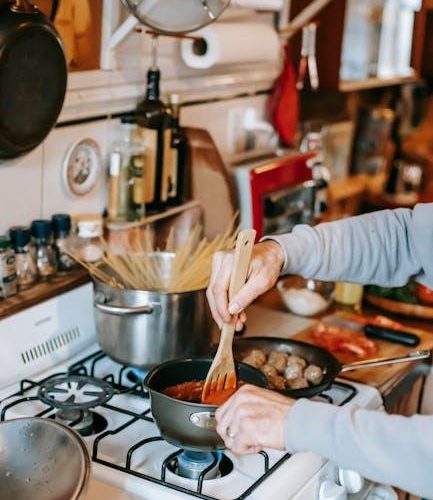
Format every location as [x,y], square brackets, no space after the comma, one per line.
[192,392]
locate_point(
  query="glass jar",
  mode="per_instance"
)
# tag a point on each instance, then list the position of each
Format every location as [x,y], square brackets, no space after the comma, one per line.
[8,271]
[126,181]
[45,256]
[62,239]
[349,294]
[89,245]
[27,272]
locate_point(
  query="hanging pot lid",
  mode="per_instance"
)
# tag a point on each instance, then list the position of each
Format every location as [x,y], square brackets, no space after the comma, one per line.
[176,16]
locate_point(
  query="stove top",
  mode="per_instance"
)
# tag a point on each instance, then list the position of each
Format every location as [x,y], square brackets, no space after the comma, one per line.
[107,404]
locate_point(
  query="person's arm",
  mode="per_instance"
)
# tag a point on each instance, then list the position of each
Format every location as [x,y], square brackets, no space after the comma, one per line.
[384,248]
[375,248]
[390,449]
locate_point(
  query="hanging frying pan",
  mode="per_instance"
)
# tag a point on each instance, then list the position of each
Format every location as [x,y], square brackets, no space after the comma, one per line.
[171,17]
[33,75]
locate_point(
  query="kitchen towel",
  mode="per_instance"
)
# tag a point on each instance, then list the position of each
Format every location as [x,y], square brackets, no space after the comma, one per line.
[231,43]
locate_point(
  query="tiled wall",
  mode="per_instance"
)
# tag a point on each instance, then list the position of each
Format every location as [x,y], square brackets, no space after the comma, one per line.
[33,186]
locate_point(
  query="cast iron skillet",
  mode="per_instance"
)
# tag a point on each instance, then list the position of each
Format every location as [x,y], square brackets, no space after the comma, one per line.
[313,355]
[189,425]
[33,75]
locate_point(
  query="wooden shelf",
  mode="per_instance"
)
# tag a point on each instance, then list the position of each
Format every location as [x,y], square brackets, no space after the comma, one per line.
[41,292]
[170,212]
[348,187]
[374,83]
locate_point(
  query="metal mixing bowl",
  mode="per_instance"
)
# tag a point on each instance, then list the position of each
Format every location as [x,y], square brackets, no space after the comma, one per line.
[41,460]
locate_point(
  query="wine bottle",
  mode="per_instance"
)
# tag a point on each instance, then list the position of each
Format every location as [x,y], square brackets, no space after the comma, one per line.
[177,156]
[391,186]
[153,119]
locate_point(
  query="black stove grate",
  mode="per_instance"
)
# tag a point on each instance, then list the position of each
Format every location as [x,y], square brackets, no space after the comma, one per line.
[88,367]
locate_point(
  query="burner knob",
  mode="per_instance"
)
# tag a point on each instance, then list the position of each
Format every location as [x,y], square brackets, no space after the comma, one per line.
[329,490]
[351,480]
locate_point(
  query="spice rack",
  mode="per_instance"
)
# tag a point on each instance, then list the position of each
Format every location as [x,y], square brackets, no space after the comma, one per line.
[42,291]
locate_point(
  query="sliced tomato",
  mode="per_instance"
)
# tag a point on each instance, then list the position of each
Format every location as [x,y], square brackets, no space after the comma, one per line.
[424,294]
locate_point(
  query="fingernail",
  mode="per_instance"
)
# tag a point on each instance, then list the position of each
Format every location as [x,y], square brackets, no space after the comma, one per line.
[234,308]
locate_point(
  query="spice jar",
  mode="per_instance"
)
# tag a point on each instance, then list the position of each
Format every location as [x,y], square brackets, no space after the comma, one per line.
[45,257]
[62,240]
[27,272]
[8,272]
[90,230]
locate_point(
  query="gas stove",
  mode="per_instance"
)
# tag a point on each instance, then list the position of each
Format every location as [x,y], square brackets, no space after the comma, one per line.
[107,405]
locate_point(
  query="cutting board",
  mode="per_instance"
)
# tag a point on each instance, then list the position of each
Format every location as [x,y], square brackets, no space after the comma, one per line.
[381,377]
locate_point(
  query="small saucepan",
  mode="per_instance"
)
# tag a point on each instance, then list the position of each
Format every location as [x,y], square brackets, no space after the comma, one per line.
[329,364]
[190,426]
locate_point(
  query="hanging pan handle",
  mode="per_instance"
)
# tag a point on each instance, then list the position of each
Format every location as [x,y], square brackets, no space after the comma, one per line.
[412,356]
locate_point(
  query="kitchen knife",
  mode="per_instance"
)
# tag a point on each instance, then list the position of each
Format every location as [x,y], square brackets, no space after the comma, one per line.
[397,336]
[376,332]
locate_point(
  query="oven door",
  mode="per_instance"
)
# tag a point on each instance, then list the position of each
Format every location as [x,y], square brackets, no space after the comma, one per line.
[286,208]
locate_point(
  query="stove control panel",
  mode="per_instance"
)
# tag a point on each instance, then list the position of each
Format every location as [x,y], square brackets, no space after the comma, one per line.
[329,490]
[335,483]
[351,480]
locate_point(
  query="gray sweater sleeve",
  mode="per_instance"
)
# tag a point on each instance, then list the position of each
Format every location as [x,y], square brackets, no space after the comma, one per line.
[390,449]
[384,248]
[377,248]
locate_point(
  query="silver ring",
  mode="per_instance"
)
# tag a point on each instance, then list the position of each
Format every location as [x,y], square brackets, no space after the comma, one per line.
[230,434]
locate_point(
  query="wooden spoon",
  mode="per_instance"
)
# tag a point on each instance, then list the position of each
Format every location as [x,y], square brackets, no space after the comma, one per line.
[221,381]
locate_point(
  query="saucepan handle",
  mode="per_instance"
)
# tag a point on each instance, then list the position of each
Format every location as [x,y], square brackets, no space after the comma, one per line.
[116,310]
[204,420]
[412,356]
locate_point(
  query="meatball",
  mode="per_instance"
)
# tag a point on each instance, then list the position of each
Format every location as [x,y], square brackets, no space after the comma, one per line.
[294,359]
[298,383]
[269,370]
[277,382]
[278,359]
[313,374]
[293,371]
[255,358]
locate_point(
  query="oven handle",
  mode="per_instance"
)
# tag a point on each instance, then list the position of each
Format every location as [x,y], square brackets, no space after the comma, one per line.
[127,310]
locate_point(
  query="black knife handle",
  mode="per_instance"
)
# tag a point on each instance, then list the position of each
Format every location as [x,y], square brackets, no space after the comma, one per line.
[397,336]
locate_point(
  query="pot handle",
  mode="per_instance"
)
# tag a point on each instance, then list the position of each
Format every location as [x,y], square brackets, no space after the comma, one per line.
[126,310]
[204,420]
[412,356]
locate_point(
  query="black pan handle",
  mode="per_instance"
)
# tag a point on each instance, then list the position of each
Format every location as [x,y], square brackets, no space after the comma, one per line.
[54,9]
[397,336]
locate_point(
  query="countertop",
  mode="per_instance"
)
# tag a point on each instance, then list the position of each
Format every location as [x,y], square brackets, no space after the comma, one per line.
[269,317]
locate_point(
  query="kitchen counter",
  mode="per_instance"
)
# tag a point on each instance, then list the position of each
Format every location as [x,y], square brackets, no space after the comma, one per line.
[269,317]
[42,291]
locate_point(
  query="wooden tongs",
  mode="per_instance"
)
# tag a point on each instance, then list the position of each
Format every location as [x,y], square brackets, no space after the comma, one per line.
[221,380]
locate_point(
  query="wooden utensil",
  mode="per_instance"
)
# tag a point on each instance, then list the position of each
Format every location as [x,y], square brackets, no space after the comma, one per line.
[221,379]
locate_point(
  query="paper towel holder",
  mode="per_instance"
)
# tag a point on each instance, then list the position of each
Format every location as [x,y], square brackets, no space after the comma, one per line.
[162,17]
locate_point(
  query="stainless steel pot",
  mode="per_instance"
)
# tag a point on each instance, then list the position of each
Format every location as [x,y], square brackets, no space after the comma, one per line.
[42,460]
[145,328]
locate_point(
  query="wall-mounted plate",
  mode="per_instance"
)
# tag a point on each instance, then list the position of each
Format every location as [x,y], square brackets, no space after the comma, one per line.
[82,166]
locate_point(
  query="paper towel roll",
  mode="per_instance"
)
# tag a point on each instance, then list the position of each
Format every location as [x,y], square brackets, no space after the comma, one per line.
[231,43]
[274,5]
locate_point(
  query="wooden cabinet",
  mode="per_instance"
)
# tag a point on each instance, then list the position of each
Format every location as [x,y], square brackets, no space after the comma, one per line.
[329,48]
[422,55]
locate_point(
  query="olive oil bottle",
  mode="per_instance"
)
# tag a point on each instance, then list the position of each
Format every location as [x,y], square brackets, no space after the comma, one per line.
[153,120]
[177,156]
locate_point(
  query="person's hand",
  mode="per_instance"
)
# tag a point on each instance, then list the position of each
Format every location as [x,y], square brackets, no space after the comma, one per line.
[253,419]
[265,267]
